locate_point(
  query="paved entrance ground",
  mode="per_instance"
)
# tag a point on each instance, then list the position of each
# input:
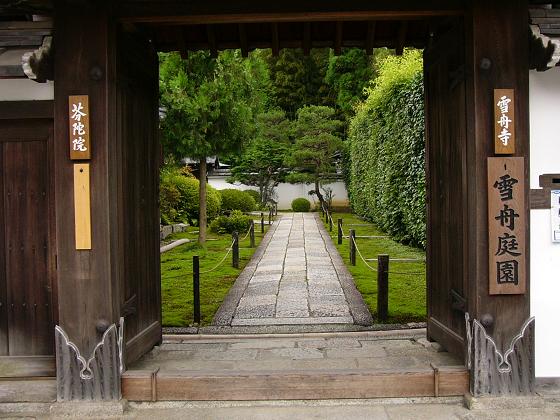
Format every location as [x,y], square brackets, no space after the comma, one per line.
[296,277]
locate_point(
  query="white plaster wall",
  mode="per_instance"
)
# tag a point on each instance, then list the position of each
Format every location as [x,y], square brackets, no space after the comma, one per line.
[544,105]
[25,90]
[288,192]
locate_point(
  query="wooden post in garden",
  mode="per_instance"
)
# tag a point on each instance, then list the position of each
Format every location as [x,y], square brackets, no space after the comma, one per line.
[252,234]
[352,239]
[196,289]
[330,222]
[262,222]
[270,216]
[382,287]
[235,251]
[340,231]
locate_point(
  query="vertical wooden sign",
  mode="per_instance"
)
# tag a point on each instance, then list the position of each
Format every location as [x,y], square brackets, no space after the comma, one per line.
[504,121]
[506,225]
[82,207]
[78,122]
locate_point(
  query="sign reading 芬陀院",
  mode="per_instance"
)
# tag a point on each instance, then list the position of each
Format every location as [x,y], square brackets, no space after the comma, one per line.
[78,121]
[506,225]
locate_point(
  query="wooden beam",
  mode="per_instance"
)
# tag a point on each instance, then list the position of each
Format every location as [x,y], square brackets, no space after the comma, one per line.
[338,38]
[211,35]
[209,19]
[370,37]
[267,385]
[275,40]
[401,40]
[26,109]
[181,42]
[243,40]
[306,38]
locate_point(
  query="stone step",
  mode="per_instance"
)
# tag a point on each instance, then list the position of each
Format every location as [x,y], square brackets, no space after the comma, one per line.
[161,385]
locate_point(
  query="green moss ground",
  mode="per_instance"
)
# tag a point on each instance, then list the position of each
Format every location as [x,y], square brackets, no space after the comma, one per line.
[176,276]
[407,293]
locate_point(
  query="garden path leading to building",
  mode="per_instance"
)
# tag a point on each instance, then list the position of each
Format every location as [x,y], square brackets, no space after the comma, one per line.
[296,277]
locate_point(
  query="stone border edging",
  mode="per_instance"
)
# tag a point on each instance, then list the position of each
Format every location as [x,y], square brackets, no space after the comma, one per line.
[226,311]
[358,307]
[173,244]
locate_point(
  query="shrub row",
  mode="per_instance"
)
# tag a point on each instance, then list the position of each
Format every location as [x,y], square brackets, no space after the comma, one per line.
[179,198]
[386,147]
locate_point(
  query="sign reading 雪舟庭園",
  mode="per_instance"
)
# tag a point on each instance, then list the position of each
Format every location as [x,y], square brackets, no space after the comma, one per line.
[506,225]
[78,121]
[504,121]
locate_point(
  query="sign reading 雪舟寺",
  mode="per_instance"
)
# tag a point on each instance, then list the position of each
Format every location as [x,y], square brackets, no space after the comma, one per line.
[506,225]
[504,121]
[78,121]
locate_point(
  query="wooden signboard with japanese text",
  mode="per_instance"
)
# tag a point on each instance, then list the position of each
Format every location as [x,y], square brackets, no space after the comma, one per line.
[78,122]
[506,225]
[504,121]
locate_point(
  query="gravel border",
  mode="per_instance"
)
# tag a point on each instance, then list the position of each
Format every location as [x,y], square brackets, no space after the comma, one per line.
[358,308]
[224,315]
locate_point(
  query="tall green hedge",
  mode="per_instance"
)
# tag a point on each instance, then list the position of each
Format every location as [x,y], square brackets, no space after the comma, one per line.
[386,142]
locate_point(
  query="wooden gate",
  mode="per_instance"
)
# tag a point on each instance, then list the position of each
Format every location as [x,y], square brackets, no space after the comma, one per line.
[446,133]
[27,260]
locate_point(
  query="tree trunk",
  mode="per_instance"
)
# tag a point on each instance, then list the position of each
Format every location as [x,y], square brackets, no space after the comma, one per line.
[202,202]
[318,192]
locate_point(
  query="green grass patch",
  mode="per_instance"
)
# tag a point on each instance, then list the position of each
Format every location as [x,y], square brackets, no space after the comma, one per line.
[407,293]
[177,282]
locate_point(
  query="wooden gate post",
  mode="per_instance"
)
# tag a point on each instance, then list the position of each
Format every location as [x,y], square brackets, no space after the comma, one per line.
[196,289]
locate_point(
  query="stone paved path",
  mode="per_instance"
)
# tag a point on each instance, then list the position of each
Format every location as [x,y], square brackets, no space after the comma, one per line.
[299,279]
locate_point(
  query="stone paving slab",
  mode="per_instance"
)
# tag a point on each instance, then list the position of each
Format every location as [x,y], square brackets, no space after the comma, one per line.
[295,278]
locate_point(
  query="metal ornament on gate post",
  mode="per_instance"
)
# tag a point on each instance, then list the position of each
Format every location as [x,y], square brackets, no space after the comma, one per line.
[95,379]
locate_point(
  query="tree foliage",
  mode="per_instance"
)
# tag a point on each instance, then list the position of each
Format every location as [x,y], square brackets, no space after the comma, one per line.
[208,105]
[298,80]
[317,141]
[262,162]
[387,175]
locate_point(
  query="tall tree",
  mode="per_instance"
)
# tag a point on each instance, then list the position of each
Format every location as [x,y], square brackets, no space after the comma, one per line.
[313,155]
[262,162]
[298,80]
[208,108]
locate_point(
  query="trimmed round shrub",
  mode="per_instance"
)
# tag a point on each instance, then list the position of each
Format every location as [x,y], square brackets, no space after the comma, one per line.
[255,194]
[235,222]
[233,199]
[179,198]
[301,205]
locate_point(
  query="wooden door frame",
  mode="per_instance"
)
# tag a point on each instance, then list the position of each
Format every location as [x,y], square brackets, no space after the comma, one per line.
[19,114]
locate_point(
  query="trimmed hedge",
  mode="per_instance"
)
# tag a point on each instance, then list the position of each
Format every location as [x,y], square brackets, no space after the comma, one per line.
[301,205]
[179,197]
[387,173]
[233,199]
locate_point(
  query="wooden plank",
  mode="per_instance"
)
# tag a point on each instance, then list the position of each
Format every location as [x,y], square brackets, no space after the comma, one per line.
[27,366]
[539,199]
[243,39]
[338,38]
[31,390]
[277,385]
[275,40]
[139,385]
[348,16]
[11,110]
[82,206]
[143,342]
[504,121]
[370,37]
[506,225]
[401,38]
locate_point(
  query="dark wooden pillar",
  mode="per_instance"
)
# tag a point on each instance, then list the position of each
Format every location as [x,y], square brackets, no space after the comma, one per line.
[496,57]
[87,279]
